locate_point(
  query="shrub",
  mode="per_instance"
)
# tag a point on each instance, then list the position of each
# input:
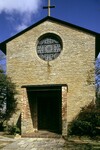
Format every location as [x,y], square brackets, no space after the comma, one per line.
[12,129]
[86,123]
[1,126]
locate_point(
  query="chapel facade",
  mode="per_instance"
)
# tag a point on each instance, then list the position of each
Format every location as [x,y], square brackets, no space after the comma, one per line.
[51,64]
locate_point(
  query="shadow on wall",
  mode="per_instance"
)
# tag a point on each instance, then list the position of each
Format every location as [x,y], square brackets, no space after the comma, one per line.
[87,122]
[18,124]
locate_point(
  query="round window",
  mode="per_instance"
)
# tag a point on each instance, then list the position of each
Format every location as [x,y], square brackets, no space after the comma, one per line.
[49,47]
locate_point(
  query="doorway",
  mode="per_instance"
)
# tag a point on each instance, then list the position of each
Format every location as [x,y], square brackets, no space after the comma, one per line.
[49,111]
[46,108]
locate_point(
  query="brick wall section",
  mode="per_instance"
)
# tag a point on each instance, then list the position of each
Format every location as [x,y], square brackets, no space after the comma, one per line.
[71,67]
[26,124]
[64,110]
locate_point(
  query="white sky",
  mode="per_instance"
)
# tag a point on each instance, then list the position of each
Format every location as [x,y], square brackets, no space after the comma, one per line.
[98,56]
[23,8]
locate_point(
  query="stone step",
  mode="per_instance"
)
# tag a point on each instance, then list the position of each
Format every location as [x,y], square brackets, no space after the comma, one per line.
[42,134]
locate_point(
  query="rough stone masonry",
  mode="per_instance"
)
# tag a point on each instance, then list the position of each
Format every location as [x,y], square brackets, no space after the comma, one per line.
[71,71]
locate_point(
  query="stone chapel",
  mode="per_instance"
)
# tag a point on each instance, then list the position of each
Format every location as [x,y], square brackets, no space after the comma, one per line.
[51,63]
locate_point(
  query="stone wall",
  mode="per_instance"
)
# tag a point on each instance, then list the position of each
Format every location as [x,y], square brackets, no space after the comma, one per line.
[73,66]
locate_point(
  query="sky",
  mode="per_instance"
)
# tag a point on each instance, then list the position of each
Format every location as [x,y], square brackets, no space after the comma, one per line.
[16,15]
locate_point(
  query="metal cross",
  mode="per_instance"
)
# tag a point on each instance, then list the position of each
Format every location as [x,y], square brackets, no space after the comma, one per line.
[48,7]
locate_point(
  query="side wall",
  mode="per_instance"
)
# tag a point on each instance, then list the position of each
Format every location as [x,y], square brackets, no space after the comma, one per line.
[74,66]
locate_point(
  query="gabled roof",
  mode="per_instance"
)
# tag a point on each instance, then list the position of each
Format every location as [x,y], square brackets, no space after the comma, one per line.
[3,44]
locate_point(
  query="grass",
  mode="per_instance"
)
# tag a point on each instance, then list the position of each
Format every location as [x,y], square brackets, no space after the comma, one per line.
[83,143]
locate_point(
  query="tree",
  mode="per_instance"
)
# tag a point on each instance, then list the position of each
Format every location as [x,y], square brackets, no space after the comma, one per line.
[97,71]
[3,60]
[8,102]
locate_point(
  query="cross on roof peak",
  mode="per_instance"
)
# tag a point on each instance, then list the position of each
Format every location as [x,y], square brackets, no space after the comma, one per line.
[48,7]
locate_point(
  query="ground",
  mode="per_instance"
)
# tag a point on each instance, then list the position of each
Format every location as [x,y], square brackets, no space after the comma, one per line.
[57,143]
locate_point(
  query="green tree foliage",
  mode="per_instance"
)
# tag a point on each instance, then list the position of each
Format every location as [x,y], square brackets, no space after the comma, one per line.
[97,71]
[8,102]
[87,122]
